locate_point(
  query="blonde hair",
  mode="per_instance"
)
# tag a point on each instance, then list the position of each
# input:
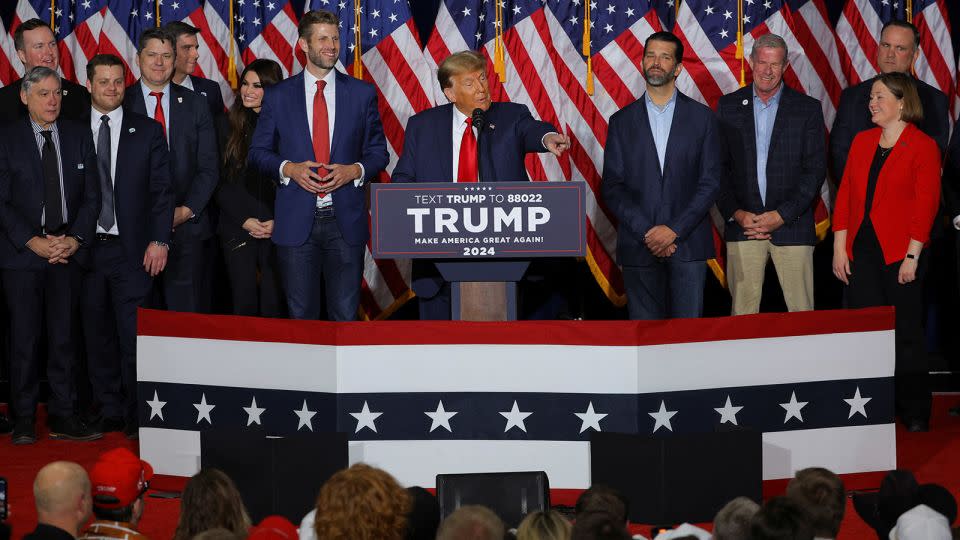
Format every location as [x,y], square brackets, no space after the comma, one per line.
[546,525]
[457,63]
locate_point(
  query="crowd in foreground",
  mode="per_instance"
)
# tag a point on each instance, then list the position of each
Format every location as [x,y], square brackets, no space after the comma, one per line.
[367,503]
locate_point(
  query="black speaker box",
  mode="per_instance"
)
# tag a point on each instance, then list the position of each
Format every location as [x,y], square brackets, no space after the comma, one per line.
[275,475]
[683,478]
[511,495]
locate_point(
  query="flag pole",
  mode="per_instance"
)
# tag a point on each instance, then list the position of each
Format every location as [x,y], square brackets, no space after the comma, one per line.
[156,4]
[232,64]
[53,7]
[585,49]
[357,49]
[498,53]
[740,55]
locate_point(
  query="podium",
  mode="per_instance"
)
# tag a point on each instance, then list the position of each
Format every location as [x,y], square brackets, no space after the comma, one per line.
[480,236]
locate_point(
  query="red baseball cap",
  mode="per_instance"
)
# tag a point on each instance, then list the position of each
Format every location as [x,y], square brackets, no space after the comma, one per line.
[273,527]
[118,478]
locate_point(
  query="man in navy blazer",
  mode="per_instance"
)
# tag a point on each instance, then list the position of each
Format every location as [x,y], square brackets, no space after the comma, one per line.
[188,53]
[131,243]
[898,51]
[49,201]
[319,134]
[194,170]
[661,175]
[774,165]
[433,146]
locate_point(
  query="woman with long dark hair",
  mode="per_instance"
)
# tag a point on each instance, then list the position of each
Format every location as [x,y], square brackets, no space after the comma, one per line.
[246,198]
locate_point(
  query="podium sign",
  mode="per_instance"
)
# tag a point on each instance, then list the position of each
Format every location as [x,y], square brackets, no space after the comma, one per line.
[446,220]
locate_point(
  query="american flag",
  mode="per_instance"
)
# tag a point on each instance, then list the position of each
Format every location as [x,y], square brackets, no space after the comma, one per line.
[393,61]
[264,29]
[10,66]
[76,25]
[858,34]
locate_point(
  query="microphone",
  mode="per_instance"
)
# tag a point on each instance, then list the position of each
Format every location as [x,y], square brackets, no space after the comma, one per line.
[479,118]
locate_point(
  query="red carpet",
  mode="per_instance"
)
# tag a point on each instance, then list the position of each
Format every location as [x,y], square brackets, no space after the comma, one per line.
[932,456]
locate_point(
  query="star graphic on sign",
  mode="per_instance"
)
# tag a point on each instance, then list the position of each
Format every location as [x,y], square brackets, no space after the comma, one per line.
[515,418]
[156,406]
[858,405]
[441,418]
[662,417]
[254,412]
[728,413]
[305,416]
[793,408]
[365,418]
[590,419]
[203,409]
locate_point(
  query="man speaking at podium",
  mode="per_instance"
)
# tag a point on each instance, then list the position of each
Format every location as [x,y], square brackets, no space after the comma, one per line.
[441,145]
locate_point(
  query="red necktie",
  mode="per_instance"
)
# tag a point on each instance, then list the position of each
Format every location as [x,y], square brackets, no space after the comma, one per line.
[467,168]
[321,128]
[158,112]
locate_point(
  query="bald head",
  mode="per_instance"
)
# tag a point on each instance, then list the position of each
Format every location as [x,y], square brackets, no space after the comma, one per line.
[62,495]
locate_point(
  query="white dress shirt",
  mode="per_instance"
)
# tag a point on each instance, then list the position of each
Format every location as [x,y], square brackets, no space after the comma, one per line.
[459,128]
[187,83]
[116,120]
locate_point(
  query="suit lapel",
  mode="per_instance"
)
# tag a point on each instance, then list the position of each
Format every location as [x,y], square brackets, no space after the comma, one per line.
[444,145]
[781,120]
[900,150]
[673,138]
[122,151]
[643,125]
[136,102]
[35,163]
[178,114]
[341,101]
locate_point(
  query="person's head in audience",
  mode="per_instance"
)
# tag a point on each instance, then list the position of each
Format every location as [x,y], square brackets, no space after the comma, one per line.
[211,501]
[273,528]
[921,523]
[821,494]
[423,518]
[471,522]
[545,525]
[119,480]
[361,503]
[217,534]
[733,520]
[781,518]
[604,499]
[599,526]
[61,492]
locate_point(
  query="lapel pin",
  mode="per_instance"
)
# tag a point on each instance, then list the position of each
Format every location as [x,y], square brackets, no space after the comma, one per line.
[746,101]
[64,92]
[80,166]
[179,100]
[132,130]
[492,126]
[204,94]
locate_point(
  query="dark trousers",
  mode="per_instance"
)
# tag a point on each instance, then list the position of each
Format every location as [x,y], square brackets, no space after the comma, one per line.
[324,265]
[186,283]
[113,289]
[254,281]
[31,295]
[874,283]
[671,289]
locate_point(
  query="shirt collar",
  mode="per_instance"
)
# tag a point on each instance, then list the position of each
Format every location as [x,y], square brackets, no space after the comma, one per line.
[458,116]
[115,116]
[310,79]
[147,90]
[671,101]
[775,100]
[37,128]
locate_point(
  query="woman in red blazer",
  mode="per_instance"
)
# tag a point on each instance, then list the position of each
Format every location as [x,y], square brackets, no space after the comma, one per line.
[884,211]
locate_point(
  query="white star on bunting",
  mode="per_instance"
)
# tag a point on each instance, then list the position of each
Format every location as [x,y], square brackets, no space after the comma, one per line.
[253,412]
[858,405]
[590,419]
[728,413]
[515,418]
[441,418]
[156,406]
[793,408]
[305,416]
[662,417]
[203,409]
[365,418]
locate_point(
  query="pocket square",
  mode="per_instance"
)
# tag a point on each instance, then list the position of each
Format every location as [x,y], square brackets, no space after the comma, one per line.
[79,166]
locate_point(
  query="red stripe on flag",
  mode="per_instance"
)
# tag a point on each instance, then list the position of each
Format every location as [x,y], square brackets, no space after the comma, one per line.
[698,71]
[279,45]
[611,80]
[404,74]
[817,56]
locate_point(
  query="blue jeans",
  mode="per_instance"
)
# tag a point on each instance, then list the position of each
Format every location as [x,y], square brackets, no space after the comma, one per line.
[671,289]
[324,256]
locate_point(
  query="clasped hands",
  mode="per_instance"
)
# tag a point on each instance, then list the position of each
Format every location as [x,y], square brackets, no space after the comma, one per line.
[337,175]
[55,249]
[758,226]
[661,241]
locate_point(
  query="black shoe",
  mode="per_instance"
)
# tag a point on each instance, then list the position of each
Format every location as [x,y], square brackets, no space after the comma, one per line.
[24,431]
[131,430]
[6,426]
[917,425]
[72,428]
[110,423]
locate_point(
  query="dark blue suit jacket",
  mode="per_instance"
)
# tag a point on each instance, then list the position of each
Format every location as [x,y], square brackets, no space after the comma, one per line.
[143,195]
[428,144]
[194,170]
[853,116]
[796,164]
[428,157]
[680,197]
[21,189]
[283,134]
[951,175]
